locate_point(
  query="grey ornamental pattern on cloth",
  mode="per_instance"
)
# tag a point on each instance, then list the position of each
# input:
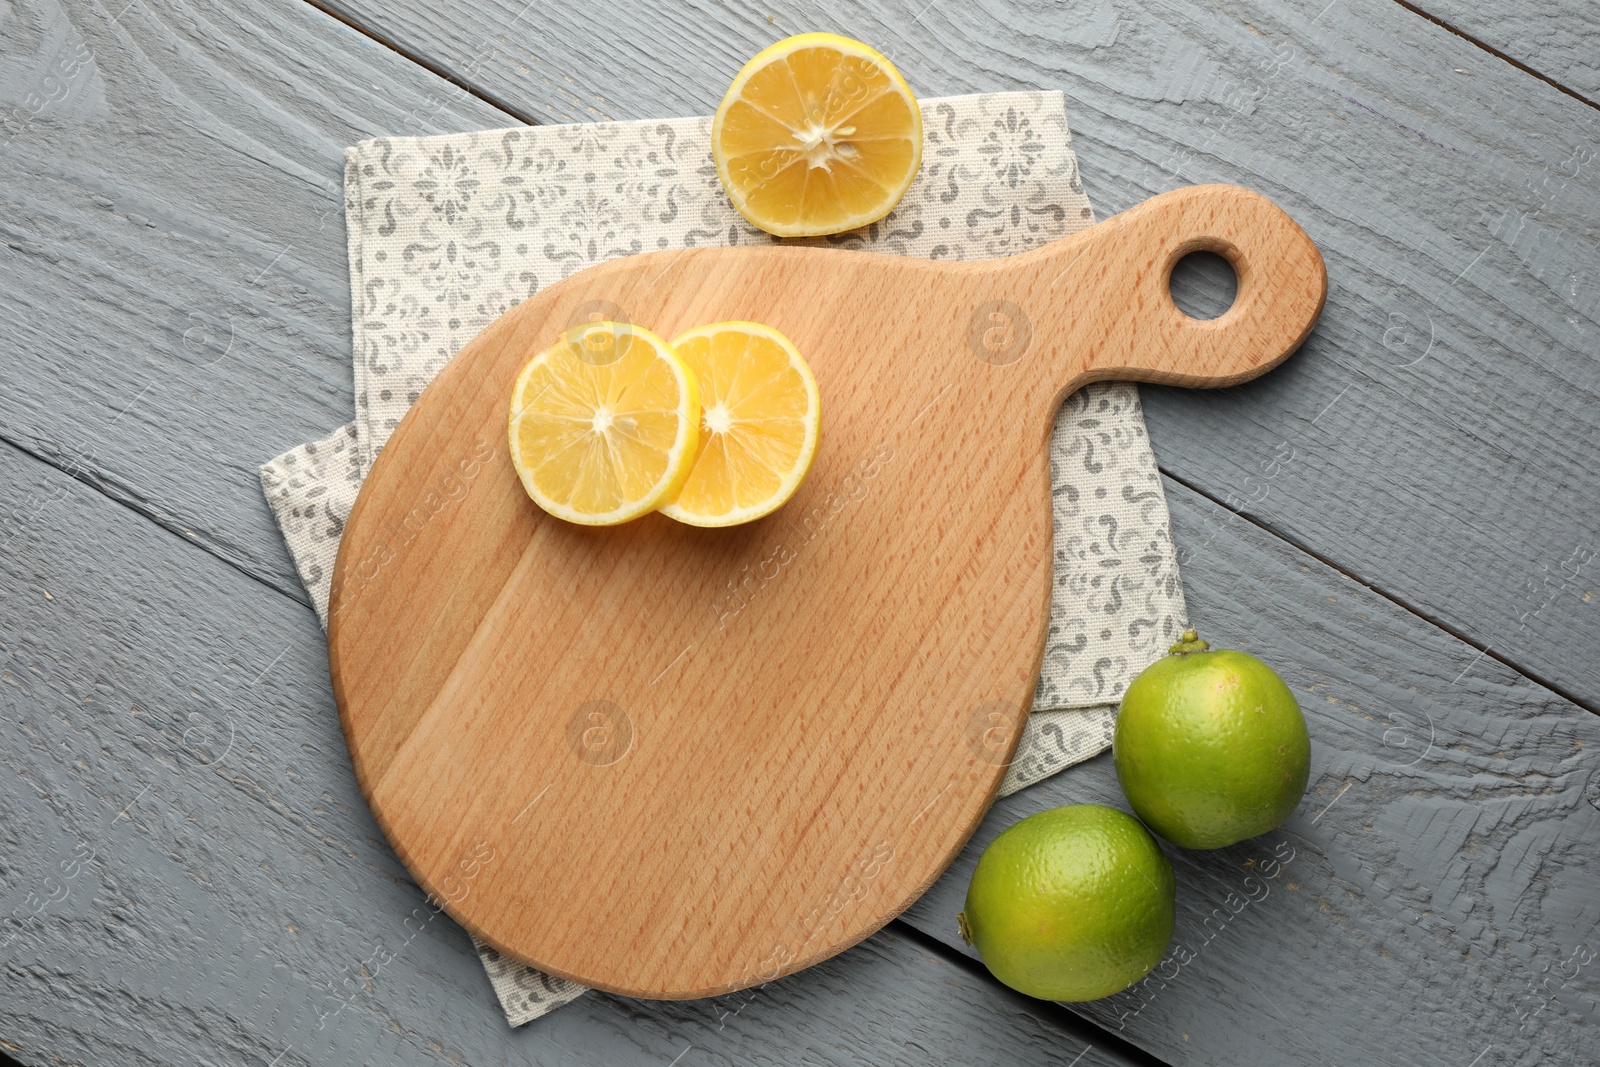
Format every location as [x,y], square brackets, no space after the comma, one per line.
[446,233]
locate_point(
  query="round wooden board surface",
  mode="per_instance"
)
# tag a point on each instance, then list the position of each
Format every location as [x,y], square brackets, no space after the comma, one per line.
[671,762]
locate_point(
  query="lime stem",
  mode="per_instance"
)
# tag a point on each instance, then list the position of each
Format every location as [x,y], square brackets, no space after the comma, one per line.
[1189,642]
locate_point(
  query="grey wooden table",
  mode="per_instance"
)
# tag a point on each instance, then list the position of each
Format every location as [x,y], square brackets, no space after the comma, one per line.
[1403,520]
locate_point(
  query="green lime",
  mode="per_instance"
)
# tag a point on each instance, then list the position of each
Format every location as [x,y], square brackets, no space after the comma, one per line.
[1210,746]
[1074,903]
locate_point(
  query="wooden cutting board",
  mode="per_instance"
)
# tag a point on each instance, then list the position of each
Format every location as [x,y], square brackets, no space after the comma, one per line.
[673,762]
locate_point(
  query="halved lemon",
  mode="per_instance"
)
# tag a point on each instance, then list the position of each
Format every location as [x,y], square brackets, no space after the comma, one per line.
[760,420]
[818,134]
[604,424]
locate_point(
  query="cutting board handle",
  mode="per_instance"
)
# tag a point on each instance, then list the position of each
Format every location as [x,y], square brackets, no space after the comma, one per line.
[1106,308]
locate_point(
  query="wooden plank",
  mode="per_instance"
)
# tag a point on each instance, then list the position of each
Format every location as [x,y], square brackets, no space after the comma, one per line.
[1431,438]
[1432,898]
[173,254]
[190,874]
[1557,38]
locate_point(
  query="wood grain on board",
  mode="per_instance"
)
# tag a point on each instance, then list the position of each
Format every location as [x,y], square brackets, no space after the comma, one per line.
[738,826]
[1455,197]
[188,873]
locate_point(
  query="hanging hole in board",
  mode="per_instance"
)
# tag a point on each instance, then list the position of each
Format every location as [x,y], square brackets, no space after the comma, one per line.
[1203,285]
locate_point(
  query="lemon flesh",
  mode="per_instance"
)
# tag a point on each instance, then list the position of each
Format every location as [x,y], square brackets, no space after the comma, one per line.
[1074,903]
[760,422]
[817,134]
[604,424]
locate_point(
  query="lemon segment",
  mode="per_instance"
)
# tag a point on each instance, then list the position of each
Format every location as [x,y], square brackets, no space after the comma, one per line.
[760,421]
[817,134]
[604,424]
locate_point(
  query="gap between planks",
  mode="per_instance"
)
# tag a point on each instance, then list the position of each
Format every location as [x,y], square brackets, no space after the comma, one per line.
[1079,1027]
[495,102]
[1484,651]
[436,70]
[1493,51]
[128,499]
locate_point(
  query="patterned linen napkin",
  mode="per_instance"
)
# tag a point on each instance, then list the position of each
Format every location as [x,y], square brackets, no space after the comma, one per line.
[446,233]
